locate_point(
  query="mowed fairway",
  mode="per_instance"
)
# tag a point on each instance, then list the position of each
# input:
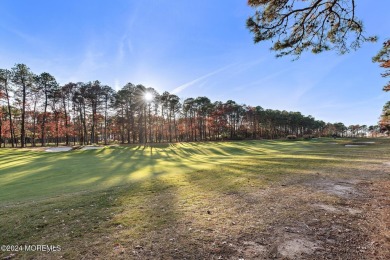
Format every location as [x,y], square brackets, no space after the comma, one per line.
[29,175]
[216,200]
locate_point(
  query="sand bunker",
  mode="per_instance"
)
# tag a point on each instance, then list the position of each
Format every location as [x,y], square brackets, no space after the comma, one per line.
[67,149]
[92,147]
[354,144]
[58,149]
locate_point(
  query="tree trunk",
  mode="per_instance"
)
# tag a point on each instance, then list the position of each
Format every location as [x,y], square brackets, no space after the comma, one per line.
[34,122]
[44,119]
[170,125]
[145,128]
[93,123]
[105,124]
[85,134]
[82,131]
[57,120]
[23,131]
[66,122]
[123,128]
[150,126]
[1,124]
[10,116]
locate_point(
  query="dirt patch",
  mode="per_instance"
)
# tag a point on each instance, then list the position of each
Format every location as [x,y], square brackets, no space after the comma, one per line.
[280,222]
[294,248]
[378,219]
[354,211]
[325,207]
[340,188]
[252,250]
[342,223]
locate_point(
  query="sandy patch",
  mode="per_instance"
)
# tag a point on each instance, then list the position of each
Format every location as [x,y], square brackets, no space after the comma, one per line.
[58,149]
[253,250]
[294,248]
[327,207]
[333,209]
[92,148]
[354,211]
[340,188]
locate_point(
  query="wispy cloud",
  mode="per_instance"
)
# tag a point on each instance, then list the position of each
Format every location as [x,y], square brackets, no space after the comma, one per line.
[263,80]
[125,44]
[88,66]
[337,104]
[197,80]
[248,65]
[309,79]
[26,37]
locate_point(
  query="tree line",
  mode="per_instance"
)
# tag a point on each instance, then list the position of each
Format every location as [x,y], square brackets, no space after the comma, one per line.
[383,58]
[36,110]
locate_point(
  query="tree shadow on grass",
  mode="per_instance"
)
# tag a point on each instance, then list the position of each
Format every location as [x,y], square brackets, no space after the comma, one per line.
[51,174]
[32,175]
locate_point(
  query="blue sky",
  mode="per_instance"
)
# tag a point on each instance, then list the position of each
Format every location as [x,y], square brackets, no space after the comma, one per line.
[193,48]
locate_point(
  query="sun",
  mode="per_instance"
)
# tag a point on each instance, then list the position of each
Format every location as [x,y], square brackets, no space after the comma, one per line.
[148,96]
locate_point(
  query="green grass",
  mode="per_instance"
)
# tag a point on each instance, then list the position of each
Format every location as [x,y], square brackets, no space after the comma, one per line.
[28,175]
[100,202]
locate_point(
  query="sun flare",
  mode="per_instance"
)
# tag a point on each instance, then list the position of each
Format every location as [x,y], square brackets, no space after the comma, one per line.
[148,96]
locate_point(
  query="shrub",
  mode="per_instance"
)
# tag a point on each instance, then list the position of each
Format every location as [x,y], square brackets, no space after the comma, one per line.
[291,137]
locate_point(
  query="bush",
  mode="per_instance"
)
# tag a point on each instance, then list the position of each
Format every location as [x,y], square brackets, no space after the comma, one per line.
[291,137]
